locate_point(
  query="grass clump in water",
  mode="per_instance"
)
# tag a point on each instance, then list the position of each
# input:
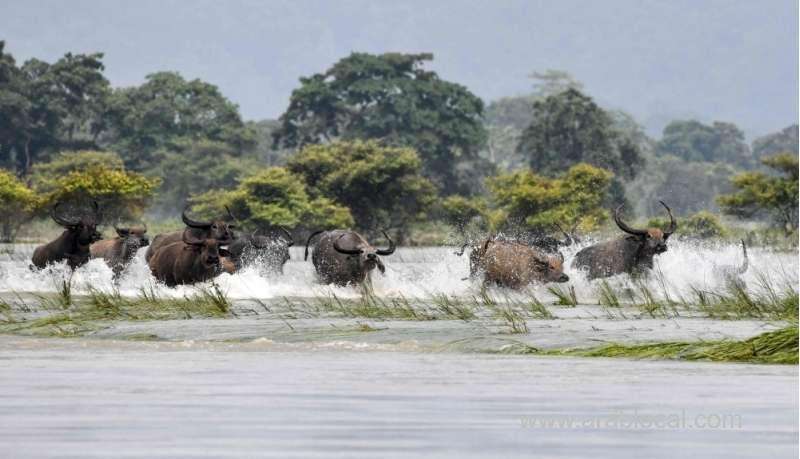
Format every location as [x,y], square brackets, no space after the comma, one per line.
[775,347]
[564,297]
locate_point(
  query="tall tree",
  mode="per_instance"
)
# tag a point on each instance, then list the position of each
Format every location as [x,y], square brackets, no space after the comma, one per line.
[392,98]
[48,107]
[695,141]
[775,195]
[782,141]
[569,128]
[167,110]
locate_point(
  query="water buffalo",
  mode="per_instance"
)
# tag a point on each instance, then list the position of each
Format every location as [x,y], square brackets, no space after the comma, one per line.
[515,265]
[632,254]
[73,244]
[344,257]
[270,253]
[119,252]
[189,260]
[547,244]
[215,229]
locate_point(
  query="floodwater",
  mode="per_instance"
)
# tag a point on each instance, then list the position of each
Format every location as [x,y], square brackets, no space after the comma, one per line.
[279,381]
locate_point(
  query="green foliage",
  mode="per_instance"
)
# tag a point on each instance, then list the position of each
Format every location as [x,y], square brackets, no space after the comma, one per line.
[382,186]
[17,205]
[191,168]
[783,141]
[569,128]
[392,98]
[166,111]
[773,195]
[91,175]
[48,107]
[538,202]
[460,211]
[274,196]
[695,141]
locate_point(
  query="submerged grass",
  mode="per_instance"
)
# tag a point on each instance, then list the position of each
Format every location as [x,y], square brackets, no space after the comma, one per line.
[564,297]
[777,347]
[94,311]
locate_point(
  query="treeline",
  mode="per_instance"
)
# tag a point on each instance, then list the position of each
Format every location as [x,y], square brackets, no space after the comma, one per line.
[375,141]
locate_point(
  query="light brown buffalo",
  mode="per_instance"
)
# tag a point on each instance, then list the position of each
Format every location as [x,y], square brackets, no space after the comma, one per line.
[515,265]
[119,251]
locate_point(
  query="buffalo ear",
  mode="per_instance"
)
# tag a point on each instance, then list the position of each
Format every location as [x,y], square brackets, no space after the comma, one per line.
[224,253]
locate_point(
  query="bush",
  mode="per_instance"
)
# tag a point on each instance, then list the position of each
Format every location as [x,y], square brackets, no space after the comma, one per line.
[18,203]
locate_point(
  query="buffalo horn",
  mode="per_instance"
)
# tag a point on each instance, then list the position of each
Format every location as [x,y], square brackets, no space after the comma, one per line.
[59,219]
[346,251]
[189,239]
[391,248]
[672,224]
[625,227]
[192,223]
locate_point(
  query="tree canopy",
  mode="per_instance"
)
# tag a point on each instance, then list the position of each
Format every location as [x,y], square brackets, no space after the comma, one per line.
[783,141]
[569,128]
[168,110]
[694,141]
[382,186]
[275,197]
[392,98]
[535,202]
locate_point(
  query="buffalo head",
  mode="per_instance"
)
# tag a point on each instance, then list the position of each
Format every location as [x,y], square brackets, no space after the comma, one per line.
[652,240]
[367,256]
[83,228]
[216,229]
[133,237]
[208,250]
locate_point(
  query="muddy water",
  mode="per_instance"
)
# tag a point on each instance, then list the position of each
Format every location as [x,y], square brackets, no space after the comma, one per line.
[281,383]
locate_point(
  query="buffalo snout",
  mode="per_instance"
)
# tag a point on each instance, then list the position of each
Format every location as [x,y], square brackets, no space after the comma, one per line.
[563,278]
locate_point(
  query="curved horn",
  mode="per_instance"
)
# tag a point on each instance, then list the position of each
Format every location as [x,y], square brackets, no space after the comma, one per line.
[289,238]
[624,227]
[192,223]
[59,219]
[308,241]
[743,268]
[235,220]
[391,248]
[672,224]
[191,240]
[346,251]
[96,210]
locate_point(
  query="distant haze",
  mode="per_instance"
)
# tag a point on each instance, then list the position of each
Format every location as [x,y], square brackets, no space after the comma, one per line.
[659,60]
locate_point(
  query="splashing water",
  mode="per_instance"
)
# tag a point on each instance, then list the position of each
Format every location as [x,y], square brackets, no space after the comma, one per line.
[412,273]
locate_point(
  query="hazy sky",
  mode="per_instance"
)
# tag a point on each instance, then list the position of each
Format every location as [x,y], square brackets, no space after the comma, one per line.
[714,60]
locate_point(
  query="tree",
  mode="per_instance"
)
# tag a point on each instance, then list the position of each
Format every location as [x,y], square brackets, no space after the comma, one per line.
[460,211]
[275,197]
[688,187]
[536,202]
[85,176]
[700,225]
[18,203]
[392,98]
[772,195]
[695,141]
[777,142]
[45,108]
[569,128]
[382,186]
[192,167]
[166,111]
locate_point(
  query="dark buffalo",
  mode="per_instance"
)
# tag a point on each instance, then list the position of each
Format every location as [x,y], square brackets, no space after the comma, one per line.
[189,260]
[632,254]
[344,257]
[214,229]
[515,265]
[119,252]
[269,253]
[73,244]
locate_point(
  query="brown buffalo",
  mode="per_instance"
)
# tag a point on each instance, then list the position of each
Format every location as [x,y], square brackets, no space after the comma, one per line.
[215,229]
[344,257]
[189,260]
[73,244]
[119,252]
[269,253]
[632,254]
[515,265]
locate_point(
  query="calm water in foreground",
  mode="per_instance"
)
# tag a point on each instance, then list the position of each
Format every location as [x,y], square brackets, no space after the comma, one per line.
[290,385]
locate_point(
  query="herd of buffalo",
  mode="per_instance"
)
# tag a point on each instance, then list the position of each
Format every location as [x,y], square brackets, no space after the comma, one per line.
[205,249]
